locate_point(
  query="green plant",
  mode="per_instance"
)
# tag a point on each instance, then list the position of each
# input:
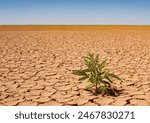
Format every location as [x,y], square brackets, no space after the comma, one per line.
[99,78]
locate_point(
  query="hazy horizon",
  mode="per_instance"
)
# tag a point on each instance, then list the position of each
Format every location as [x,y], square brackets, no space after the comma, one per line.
[74,12]
[74,24]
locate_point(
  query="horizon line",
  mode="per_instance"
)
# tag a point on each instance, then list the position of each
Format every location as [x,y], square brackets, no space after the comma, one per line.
[74,24]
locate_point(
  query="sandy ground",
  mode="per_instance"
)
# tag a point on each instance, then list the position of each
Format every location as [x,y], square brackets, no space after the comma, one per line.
[36,66]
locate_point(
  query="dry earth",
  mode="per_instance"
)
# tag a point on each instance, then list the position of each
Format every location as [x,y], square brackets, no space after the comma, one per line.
[36,66]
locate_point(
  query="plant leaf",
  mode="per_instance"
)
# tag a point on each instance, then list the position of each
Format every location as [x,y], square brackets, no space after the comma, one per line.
[102,89]
[86,61]
[83,78]
[86,70]
[107,78]
[102,65]
[96,58]
[114,76]
[89,86]
[79,73]
[91,55]
[87,58]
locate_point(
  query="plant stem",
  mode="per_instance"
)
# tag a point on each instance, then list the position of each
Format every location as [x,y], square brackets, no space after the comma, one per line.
[96,90]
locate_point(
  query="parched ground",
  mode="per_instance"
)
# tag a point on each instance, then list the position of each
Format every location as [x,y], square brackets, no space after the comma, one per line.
[36,66]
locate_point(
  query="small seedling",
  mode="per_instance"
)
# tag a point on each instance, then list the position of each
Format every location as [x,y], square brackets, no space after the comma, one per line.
[99,78]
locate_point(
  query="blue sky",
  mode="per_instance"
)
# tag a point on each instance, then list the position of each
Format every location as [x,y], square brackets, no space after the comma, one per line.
[134,12]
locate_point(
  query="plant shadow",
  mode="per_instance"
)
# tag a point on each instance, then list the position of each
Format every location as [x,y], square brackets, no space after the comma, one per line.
[111,91]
